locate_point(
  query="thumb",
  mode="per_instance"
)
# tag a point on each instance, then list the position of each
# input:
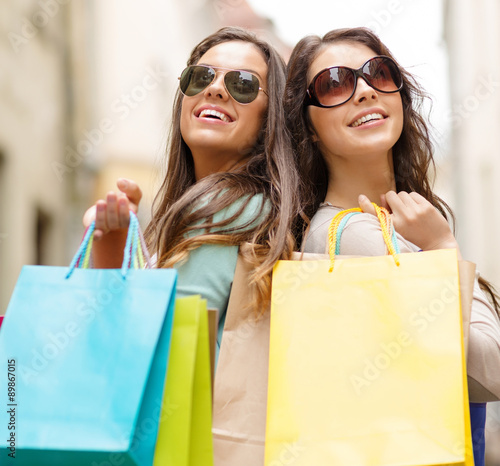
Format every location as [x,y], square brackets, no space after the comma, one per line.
[130,189]
[89,216]
[366,205]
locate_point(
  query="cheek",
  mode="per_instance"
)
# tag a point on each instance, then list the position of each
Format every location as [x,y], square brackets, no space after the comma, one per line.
[253,123]
[184,120]
[313,123]
[400,114]
[323,125]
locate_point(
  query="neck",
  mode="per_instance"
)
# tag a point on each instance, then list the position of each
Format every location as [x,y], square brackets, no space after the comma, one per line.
[348,179]
[206,163]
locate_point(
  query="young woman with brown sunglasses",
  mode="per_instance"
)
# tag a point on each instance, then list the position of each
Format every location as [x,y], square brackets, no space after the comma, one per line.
[358,137]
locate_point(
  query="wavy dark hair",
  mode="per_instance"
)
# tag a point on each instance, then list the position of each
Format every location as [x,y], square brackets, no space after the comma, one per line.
[268,170]
[412,154]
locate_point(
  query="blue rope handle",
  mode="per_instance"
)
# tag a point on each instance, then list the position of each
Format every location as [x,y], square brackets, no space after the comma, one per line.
[133,245]
[82,249]
[343,224]
[340,229]
[130,250]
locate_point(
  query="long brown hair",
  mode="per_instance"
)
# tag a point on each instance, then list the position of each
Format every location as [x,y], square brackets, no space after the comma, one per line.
[267,171]
[412,154]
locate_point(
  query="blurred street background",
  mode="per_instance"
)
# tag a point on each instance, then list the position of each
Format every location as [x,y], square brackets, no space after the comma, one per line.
[86,91]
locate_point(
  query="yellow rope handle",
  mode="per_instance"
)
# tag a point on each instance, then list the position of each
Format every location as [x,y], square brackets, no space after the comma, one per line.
[385,222]
[332,233]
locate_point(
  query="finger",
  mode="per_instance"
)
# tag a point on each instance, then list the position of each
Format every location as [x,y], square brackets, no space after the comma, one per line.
[366,206]
[98,234]
[131,189]
[395,203]
[89,216]
[101,225]
[112,211]
[123,211]
[419,199]
[406,199]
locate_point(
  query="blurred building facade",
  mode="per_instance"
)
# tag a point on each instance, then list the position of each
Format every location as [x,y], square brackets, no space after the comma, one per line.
[87,90]
[473,38]
[472,33]
[34,90]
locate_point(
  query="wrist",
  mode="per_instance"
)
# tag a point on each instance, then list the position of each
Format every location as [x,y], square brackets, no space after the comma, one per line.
[450,243]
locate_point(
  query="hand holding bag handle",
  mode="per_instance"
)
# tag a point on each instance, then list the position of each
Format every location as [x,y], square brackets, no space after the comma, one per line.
[135,253]
[340,220]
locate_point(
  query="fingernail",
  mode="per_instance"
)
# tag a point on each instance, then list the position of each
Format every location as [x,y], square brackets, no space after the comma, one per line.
[362,197]
[123,183]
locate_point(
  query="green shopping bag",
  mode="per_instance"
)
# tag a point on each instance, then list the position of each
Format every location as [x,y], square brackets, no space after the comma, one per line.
[86,353]
[185,436]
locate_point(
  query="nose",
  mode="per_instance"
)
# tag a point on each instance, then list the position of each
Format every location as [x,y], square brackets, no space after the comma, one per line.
[364,91]
[217,88]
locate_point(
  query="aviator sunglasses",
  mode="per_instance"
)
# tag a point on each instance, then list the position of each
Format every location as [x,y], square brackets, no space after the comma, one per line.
[336,85]
[242,86]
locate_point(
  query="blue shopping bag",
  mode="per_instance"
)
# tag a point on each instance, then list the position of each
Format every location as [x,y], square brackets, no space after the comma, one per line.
[85,351]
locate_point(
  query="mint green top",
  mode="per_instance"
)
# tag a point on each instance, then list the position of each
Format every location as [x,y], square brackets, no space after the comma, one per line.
[209,269]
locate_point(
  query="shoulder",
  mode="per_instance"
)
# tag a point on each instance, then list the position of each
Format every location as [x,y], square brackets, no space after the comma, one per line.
[317,236]
[247,208]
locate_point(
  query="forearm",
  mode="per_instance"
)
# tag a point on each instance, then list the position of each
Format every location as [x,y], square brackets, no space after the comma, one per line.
[483,362]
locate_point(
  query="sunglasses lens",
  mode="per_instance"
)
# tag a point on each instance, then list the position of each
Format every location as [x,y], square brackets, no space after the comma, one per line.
[383,74]
[334,86]
[243,86]
[195,78]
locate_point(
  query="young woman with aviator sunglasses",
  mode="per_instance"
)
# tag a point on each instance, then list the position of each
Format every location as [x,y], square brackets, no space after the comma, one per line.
[353,115]
[228,179]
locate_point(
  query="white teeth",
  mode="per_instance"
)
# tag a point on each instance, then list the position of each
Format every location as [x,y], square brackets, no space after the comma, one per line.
[363,119]
[215,113]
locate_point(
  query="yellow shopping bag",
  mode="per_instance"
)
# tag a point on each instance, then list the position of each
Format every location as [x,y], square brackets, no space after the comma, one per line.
[184,436]
[367,364]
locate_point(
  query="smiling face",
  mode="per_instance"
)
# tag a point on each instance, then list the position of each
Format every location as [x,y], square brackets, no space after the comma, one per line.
[218,130]
[368,125]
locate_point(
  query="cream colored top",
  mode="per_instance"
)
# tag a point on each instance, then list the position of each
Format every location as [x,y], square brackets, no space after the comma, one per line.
[362,236]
